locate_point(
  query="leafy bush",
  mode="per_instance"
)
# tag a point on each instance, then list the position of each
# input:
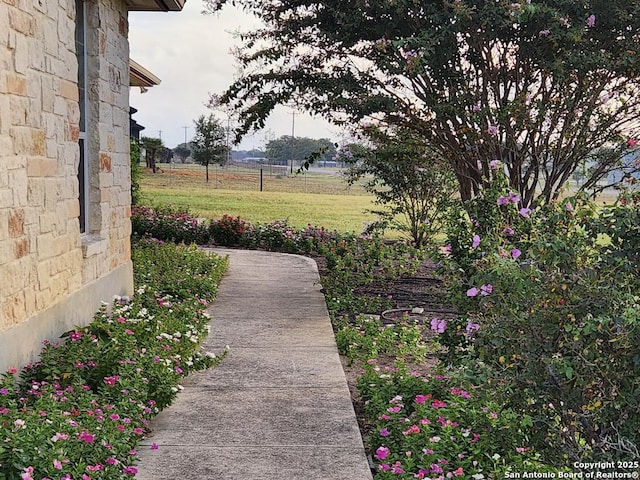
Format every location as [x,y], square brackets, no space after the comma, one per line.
[82,408]
[437,427]
[168,224]
[368,338]
[136,172]
[412,185]
[551,302]
[231,231]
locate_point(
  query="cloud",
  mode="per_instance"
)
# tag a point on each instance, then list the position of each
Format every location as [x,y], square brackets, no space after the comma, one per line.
[191,53]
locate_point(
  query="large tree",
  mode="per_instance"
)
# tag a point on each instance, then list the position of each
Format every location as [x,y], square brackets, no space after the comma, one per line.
[541,85]
[297,149]
[209,144]
[151,147]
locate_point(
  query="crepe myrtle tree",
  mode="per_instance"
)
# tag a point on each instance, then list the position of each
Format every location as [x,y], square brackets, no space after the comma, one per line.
[544,87]
[209,144]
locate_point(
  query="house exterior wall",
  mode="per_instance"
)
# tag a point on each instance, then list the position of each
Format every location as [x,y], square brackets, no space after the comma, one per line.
[52,277]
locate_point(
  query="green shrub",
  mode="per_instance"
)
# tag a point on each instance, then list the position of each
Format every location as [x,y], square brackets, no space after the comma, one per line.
[551,317]
[367,338]
[438,427]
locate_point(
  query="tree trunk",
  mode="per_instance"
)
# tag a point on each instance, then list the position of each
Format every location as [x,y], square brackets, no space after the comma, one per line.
[206,169]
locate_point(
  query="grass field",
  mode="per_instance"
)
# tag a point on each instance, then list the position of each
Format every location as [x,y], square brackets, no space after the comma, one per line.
[322,199]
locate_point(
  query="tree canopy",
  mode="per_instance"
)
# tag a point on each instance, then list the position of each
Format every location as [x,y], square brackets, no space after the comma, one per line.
[286,149]
[541,86]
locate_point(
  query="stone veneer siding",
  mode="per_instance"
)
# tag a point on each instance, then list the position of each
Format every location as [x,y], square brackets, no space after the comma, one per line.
[52,276]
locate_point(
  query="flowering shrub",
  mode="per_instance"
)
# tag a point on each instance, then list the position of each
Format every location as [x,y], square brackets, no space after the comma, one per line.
[561,349]
[167,224]
[79,412]
[231,231]
[433,427]
[179,226]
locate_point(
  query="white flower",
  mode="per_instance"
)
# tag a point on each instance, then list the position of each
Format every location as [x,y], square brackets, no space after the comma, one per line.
[496,456]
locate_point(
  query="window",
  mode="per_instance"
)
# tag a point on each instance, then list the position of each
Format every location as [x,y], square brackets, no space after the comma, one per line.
[83,170]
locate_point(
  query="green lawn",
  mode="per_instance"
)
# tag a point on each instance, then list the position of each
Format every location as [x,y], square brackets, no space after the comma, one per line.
[236,194]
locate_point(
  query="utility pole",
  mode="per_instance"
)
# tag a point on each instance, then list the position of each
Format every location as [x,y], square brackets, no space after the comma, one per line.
[293,135]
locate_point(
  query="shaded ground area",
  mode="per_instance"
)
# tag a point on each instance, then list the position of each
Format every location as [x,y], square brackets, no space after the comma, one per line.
[423,289]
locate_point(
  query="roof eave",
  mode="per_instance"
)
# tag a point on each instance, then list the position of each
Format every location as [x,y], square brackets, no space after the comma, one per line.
[155,5]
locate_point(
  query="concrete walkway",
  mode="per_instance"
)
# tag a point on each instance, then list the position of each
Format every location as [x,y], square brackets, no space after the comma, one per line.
[278,407]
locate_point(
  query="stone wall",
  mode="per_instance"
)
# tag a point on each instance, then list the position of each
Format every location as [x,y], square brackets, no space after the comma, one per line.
[51,275]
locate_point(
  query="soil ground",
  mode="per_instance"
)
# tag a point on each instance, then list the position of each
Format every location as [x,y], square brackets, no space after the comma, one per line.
[422,289]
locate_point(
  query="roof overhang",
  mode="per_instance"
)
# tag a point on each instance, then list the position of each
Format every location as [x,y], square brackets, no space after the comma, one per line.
[155,5]
[140,76]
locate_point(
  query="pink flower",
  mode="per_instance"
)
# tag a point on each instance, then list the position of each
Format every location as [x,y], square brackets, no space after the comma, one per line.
[508,231]
[438,325]
[129,332]
[502,200]
[486,289]
[111,381]
[591,21]
[544,33]
[122,320]
[492,130]
[525,212]
[397,468]
[458,472]
[494,164]
[472,327]
[384,467]
[130,470]
[154,446]
[632,142]
[112,461]
[86,437]
[476,241]
[473,292]
[59,436]
[27,474]
[421,399]
[514,197]
[57,464]
[515,253]
[382,453]
[75,336]
[413,429]
[384,432]
[438,404]
[95,468]
[447,249]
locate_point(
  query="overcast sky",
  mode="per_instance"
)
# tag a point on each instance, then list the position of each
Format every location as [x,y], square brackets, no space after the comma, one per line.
[190,53]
